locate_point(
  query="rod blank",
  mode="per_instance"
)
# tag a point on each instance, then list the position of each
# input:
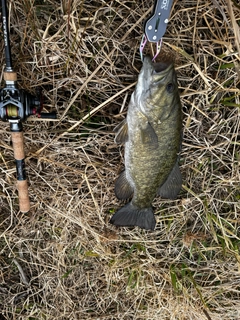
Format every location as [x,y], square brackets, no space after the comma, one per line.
[8,56]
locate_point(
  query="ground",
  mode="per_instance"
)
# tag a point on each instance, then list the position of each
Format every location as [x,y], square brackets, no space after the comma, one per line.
[63,260]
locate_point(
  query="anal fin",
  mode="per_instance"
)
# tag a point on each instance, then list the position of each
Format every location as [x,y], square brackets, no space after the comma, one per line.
[123,189]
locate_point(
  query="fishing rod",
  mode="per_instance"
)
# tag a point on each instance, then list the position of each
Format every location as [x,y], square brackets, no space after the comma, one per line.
[15,106]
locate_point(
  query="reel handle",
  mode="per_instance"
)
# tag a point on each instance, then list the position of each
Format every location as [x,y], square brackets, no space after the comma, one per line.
[22,185]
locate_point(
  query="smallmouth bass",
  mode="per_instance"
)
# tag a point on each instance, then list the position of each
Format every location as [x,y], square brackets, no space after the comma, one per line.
[152,133]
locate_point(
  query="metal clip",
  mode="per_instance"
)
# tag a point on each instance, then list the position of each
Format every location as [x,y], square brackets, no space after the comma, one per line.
[158,49]
[156,25]
[142,46]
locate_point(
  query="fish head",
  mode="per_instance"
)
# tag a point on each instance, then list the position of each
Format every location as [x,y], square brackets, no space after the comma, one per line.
[156,88]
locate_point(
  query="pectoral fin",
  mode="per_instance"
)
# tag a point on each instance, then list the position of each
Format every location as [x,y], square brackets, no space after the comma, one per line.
[121,132]
[149,136]
[172,186]
[123,189]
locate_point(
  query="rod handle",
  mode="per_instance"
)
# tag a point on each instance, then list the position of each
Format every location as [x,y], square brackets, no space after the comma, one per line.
[24,202]
[10,76]
[22,186]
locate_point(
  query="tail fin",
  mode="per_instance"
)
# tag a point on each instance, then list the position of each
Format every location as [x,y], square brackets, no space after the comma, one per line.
[130,215]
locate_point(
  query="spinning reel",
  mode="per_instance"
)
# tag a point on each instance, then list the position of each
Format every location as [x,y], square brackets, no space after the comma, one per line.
[15,106]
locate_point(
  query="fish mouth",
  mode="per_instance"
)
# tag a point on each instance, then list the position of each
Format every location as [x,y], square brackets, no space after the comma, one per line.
[156,68]
[161,66]
[152,75]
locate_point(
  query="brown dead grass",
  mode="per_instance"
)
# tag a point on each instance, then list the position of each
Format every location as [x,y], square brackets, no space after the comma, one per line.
[63,260]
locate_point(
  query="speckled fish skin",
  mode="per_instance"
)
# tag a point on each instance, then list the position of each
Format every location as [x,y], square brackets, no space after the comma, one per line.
[152,134]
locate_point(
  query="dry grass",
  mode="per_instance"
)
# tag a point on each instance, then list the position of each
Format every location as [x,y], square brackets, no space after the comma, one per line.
[63,260]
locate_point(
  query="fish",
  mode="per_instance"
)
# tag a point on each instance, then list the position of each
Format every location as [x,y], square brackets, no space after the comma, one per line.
[152,134]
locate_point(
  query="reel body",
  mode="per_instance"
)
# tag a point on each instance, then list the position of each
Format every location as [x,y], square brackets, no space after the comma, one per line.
[16,104]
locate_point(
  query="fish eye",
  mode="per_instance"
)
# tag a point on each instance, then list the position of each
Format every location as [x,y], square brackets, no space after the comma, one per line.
[170,87]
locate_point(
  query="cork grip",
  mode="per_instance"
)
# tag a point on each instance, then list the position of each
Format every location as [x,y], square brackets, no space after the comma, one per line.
[18,149]
[10,76]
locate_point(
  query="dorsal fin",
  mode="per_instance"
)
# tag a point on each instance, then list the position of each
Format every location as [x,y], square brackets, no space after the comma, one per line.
[172,186]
